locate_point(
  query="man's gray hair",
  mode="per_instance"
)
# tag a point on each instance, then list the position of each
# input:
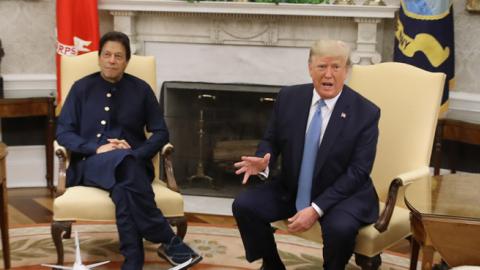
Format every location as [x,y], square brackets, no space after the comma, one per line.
[333,48]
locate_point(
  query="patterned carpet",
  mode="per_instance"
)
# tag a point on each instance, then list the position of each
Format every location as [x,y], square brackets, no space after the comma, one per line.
[221,248]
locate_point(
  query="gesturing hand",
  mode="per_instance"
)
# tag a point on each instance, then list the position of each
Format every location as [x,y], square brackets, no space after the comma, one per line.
[251,166]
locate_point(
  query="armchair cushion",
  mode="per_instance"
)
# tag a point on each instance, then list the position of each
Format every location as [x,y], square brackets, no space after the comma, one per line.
[370,241]
[82,203]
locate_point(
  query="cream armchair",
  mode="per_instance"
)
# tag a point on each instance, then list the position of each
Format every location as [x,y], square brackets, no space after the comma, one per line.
[81,203]
[409,99]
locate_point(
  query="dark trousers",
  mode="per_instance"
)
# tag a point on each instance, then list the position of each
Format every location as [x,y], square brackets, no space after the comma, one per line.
[136,212]
[255,208]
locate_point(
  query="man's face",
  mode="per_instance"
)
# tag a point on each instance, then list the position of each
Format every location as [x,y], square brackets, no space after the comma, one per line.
[328,75]
[112,61]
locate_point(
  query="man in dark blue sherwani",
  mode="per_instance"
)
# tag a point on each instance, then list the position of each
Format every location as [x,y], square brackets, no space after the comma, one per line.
[102,123]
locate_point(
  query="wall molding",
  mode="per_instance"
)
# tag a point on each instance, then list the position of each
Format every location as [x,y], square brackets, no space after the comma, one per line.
[33,85]
[29,85]
[26,166]
[464,106]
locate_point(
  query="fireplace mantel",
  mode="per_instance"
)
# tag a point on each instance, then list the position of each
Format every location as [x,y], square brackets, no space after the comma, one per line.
[281,9]
[254,24]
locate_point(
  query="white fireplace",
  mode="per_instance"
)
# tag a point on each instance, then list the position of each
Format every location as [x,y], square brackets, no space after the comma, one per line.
[242,42]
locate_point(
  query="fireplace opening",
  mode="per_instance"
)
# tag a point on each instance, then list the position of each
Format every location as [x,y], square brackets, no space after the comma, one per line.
[211,126]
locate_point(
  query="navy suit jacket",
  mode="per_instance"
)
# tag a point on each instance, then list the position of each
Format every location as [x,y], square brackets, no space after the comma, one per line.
[344,159]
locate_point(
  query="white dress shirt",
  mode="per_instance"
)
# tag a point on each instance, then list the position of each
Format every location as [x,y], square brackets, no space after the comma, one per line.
[326,113]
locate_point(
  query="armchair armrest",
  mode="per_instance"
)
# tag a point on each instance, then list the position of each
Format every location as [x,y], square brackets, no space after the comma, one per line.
[166,167]
[411,176]
[63,159]
[403,179]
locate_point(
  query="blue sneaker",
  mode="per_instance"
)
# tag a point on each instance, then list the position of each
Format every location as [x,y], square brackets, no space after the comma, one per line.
[177,252]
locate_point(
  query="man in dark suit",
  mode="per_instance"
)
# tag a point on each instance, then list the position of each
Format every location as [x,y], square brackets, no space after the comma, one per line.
[326,134]
[102,123]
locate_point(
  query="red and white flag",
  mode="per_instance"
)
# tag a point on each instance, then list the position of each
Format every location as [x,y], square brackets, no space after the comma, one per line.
[77,30]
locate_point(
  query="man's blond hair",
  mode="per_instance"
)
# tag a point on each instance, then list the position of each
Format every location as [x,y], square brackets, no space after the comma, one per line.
[332,48]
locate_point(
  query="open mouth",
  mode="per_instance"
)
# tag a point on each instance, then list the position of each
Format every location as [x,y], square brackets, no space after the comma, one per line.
[327,84]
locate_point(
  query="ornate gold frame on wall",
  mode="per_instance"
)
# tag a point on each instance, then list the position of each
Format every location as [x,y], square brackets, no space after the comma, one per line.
[473,5]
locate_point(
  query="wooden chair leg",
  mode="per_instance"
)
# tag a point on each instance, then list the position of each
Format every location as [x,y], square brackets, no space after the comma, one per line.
[60,230]
[182,228]
[414,249]
[181,224]
[368,263]
[427,257]
[4,225]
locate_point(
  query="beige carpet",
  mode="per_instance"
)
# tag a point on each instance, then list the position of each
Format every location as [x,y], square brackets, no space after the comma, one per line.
[220,247]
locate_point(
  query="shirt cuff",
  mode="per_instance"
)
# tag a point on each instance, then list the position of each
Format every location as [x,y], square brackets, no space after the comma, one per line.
[319,211]
[264,175]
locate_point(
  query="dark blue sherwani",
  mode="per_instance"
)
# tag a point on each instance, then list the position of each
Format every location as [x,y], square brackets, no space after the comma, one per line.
[96,110]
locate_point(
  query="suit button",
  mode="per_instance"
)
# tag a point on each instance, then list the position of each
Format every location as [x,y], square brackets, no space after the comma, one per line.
[99,135]
[83,158]
[109,95]
[107,108]
[103,122]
